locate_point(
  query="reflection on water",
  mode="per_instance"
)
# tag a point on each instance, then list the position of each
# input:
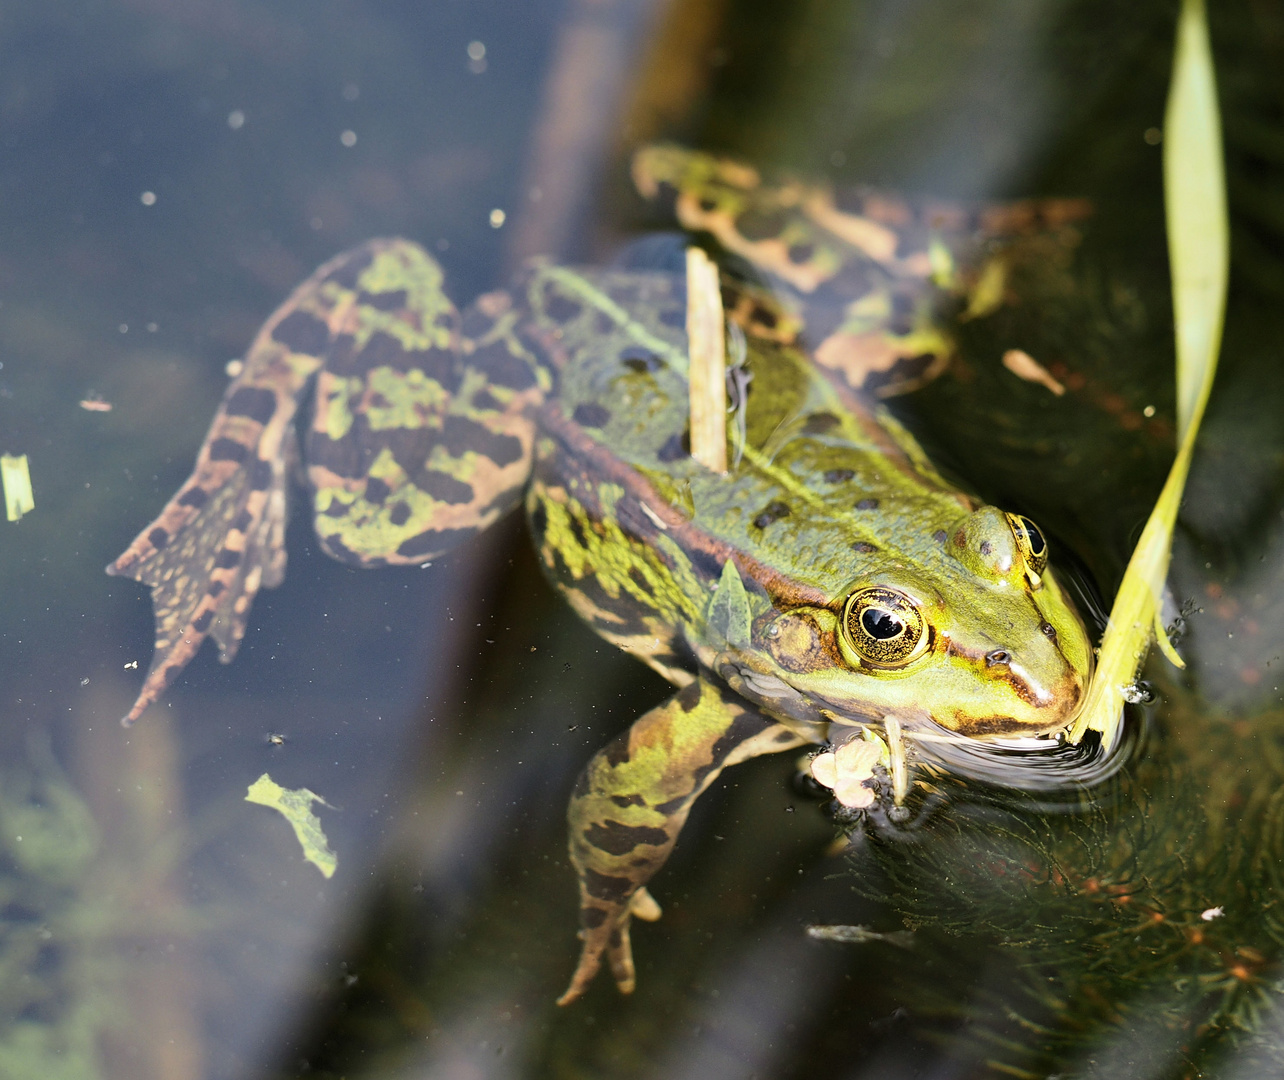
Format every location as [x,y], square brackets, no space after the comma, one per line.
[154,924]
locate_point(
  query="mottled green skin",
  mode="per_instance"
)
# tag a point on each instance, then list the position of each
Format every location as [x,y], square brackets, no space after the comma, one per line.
[570,391]
[849,508]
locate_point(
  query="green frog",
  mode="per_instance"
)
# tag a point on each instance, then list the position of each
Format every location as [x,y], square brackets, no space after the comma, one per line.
[829,586]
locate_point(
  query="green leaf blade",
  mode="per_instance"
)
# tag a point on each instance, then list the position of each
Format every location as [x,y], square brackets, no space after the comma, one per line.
[296,807]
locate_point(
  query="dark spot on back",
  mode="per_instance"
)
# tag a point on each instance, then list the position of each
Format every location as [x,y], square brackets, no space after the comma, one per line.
[674,449]
[819,423]
[764,316]
[867,504]
[939,536]
[561,309]
[224,449]
[194,497]
[252,401]
[591,415]
[641,360]
[158,538]
[399,514]
[202,622]
[376,490]
[302,333]
[226,559]
[773,512]
[242,521]
[838,476]
[216,588]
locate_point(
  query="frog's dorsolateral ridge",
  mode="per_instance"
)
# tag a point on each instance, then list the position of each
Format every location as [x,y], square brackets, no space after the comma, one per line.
[830,585]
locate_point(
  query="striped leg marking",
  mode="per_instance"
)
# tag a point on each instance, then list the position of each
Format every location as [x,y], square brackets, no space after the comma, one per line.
[632,801]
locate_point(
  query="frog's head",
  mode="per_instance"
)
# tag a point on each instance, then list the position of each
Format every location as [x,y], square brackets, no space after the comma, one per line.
[982,642]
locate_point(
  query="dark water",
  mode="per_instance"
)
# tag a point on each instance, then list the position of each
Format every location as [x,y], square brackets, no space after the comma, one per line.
[154,925]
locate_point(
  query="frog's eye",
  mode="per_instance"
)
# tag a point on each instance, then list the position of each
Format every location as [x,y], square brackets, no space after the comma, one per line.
[1034,548]
[884,627]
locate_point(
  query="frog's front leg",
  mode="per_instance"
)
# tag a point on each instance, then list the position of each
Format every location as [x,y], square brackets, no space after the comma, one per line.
[632,801]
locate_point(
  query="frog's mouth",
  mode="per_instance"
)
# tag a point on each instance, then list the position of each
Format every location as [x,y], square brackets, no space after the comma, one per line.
[774,696]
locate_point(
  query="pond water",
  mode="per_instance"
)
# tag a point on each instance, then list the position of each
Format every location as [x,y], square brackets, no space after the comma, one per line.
[171,169]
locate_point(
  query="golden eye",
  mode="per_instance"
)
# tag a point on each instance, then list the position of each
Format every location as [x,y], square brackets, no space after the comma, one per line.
[1034,548]
[884,627]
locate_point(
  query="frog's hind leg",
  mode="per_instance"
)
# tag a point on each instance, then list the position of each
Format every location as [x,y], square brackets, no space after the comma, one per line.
[424,425]
[420,438]
[632,801]
[221,537]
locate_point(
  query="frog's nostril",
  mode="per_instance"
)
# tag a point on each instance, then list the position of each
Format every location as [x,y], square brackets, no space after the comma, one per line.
[997,656]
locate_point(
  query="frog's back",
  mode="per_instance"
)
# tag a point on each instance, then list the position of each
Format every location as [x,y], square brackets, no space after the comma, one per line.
[636,532]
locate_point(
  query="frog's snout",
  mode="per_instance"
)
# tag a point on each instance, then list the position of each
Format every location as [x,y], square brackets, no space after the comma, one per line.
[1037,703]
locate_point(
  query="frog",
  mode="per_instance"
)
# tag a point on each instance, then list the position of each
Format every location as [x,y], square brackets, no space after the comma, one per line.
[829,585]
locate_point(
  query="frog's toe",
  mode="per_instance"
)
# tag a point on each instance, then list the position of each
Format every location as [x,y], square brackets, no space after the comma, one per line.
[586,970]
[619,954]
[610,939]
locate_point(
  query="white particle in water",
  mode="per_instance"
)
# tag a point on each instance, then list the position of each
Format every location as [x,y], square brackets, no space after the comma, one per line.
[348,138]
[1209,914]
[236,119]
[147,198]
[497,218]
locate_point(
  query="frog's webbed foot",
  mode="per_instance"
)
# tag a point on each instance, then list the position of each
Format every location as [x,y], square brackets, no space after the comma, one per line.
[610,939]
[632,801]
[221,537]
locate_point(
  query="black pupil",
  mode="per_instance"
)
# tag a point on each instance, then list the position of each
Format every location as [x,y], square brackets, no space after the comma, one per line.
[881,624]
[1037,544]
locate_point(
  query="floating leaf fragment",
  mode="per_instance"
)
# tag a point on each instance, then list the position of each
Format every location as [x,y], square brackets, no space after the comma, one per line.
[15,477]
[1024,366]
[295,805]
[845,770]
[1199,254]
